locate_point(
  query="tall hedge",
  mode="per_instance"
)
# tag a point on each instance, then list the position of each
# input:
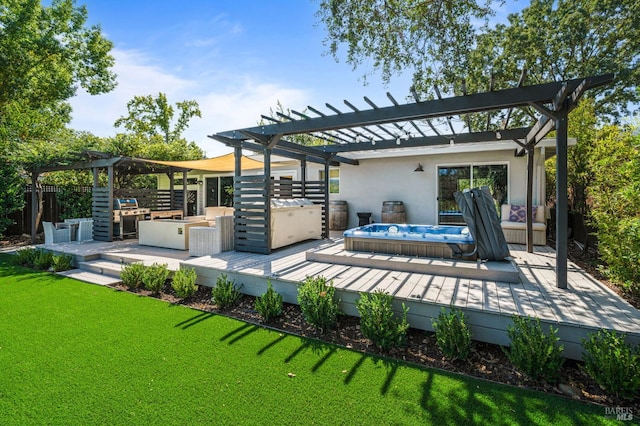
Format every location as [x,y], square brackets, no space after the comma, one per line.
[615,204]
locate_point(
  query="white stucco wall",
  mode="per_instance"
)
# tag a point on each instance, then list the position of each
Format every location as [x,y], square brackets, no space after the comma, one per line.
[366,186]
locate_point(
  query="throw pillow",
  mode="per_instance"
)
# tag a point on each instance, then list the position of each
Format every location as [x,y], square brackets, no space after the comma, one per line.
[519,213]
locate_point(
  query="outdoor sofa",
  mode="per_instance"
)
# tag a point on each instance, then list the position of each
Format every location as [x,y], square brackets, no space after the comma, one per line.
[514,225]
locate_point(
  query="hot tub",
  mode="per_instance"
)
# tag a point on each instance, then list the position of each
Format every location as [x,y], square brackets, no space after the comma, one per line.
[449,242]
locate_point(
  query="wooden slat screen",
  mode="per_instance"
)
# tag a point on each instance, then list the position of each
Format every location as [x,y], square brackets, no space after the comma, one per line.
[251,216]
[154,199]
[252,223]
[102,216]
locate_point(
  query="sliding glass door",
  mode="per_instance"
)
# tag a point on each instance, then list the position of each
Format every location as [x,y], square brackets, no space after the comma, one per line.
[458,178]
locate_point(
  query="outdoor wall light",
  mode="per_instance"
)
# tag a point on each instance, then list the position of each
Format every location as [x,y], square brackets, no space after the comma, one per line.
[451,142]
[419,168]
[498,135]
[398,141]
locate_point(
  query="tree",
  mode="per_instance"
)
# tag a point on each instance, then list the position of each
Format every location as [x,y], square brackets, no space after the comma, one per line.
[151,116]
[554,40]
[46,53]
[426,37]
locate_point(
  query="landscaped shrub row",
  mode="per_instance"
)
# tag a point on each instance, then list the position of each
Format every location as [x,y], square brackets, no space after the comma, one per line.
[43,260]
[612,363]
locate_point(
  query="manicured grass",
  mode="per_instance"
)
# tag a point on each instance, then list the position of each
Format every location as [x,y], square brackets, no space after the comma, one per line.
[75,353]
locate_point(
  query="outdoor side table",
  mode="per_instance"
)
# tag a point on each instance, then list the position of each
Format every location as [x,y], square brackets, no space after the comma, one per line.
[204,241]
[364,218]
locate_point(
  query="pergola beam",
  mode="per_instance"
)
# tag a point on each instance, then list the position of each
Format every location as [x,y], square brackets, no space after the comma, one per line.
[416,142]
[457,105]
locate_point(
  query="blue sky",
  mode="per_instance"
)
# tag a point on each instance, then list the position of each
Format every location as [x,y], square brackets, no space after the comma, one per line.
[236,58]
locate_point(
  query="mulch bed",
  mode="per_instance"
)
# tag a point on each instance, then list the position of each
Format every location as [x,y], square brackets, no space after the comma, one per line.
[487,361]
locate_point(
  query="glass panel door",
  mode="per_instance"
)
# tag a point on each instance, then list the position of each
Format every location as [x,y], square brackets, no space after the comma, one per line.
[495,177]
[450,180]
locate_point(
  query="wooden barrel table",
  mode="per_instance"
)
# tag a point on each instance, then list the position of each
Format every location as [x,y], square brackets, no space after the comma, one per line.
[393,212]
[338,215]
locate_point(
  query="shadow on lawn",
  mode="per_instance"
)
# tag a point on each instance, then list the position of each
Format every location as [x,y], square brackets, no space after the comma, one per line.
[479,402]
[194,320]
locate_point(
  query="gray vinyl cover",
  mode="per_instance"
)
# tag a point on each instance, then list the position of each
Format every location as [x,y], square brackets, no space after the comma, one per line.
[482,219]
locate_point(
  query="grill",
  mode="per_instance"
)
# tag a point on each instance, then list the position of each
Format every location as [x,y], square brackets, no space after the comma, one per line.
[126,215]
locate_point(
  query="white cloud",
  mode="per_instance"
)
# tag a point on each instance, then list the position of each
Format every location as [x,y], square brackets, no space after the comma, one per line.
[227,100]
[136,76]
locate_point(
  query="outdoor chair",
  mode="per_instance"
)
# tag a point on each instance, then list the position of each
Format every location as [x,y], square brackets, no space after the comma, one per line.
[54,236]
[85,230]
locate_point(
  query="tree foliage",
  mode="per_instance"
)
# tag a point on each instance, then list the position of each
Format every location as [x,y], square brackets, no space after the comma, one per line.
[397,35]
[46,54]
[149,116]
[615,209]
[443,44]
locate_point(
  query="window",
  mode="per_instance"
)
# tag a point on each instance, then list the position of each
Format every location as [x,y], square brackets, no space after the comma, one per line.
[334,180]
[219,191]
[459,178]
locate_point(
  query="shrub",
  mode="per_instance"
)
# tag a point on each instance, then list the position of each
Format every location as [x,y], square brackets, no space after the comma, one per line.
[132,275]
[43,260]
[269,305]
[535,354]
[25,257]
[379,323]
[317,303]
[184,282]
[62,262]
[612,363]
[225,294]
[155,276]
[453,335]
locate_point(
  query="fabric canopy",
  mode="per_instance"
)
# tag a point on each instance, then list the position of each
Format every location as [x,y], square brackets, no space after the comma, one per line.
[223,163]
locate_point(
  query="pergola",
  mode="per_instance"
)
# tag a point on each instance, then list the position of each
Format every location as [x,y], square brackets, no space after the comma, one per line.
[103,197]
[388,127]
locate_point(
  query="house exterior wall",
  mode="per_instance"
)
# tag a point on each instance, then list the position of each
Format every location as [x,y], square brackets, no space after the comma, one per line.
[366,186]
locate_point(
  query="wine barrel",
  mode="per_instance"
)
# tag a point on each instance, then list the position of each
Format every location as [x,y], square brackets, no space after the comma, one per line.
[338,215]
[393,212]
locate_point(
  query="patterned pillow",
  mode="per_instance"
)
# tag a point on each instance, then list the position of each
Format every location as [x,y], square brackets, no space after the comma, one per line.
[519,213]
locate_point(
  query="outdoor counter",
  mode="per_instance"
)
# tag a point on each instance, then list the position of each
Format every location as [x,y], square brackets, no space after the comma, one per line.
[167,233]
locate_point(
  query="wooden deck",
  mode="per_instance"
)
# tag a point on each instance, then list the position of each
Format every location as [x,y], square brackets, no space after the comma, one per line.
[585,306]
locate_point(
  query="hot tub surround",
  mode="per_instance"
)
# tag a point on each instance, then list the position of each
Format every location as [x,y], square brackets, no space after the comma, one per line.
[449,242]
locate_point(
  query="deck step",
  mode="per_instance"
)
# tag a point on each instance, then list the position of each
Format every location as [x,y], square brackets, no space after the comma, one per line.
[90,277]
[102,267]
[491,271]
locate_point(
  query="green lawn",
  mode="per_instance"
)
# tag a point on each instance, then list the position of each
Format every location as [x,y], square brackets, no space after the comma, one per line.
[75,353]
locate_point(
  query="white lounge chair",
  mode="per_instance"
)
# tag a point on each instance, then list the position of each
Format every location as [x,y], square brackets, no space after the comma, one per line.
[55,236]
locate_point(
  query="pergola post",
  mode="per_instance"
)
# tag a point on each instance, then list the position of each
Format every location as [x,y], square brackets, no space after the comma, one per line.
[110,184]
[171,190]
[561,198]
[34,206]
[529,201]
[267,194]
[303,177]
[325,222]
[184,193]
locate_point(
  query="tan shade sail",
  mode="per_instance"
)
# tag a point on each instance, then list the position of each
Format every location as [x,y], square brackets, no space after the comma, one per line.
[223,163]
